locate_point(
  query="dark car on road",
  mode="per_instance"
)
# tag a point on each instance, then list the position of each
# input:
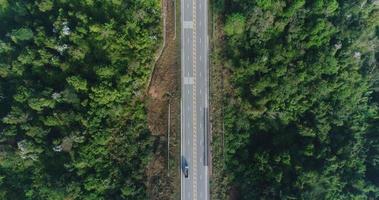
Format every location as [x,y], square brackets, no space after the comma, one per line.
[186,170]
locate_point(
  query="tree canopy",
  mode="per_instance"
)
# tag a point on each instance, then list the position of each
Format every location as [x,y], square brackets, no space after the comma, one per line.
[72,120]
[302,117]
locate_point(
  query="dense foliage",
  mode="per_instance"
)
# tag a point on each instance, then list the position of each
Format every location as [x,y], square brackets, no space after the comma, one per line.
[72,121]
[302,118]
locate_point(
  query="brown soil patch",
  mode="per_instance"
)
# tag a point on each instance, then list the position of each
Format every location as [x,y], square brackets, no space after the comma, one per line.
[165,77]
[156,166]
[163,177]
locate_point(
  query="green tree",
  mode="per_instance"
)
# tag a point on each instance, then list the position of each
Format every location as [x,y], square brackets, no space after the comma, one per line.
[72,122]
[300,120]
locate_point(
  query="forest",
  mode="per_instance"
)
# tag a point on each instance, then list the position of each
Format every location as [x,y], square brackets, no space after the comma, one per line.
[72,116]
[301,114]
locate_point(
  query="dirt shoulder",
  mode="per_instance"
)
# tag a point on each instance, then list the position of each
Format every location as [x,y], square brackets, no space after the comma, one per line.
[163,95]
[220,182]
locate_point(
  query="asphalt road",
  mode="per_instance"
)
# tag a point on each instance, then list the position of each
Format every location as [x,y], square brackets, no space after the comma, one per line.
[194,101]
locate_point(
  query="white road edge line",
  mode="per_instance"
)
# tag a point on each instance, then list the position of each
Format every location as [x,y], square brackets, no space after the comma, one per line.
[181,106]
[206,95]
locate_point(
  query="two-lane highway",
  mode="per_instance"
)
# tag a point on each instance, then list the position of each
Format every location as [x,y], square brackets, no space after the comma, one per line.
[194,99]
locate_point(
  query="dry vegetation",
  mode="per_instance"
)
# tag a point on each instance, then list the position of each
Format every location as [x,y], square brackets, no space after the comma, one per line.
[218,85]
[164,90]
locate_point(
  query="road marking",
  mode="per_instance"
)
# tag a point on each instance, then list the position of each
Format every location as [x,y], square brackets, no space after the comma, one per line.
[187,25]
[190,187]
[188,80]
[194,137]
